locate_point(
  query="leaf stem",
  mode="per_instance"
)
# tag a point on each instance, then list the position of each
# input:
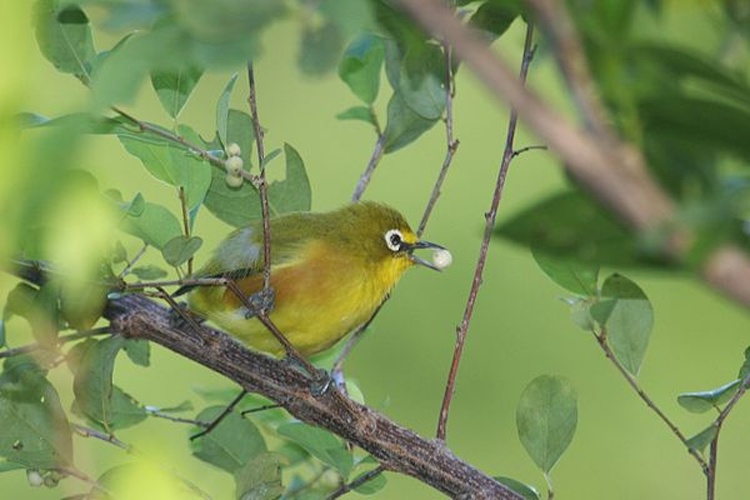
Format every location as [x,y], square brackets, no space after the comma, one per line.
[451,143]
[364,179]
[462,329]
[601,339]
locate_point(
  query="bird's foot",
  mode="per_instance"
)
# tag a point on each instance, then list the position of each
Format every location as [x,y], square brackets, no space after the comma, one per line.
[320,379]
[262,301]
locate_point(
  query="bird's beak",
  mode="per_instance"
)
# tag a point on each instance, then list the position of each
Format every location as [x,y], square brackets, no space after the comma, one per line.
[418,260]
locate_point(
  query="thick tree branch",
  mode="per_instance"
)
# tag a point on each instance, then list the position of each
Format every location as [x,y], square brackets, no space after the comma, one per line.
[397,448]
[610,170]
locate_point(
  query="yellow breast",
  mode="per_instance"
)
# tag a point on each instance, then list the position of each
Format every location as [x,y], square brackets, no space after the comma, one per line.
[320,297]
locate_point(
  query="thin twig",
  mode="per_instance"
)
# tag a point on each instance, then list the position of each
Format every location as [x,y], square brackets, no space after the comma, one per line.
[64,339]
[364,179]
[261,180]
[714,448]
[359,481]
[185,223]
[226,411]
[602,341]
[179,420]
[524,149]
[88,432]
[461,331]
[134,261]
[259,409]
[166,134]
[451,142]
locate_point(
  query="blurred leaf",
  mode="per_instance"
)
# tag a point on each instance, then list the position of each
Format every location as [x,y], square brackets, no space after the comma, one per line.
[148,272]
[38,306]
[293,194]
[351,16]
[404,125]
[526,491]
[360,67]
[34,431]
[703,438]
[64,37]
[96,397]
[569,225]
[9,466]
[171,163]
[628,317]
[577,277]
[320,47]
[422,78]
[142,480]
[155,226]
[222,110]
[138,350]
[179,249]
[546,419]
[361,113]
[3,340]
[259,478]
[231,444]
[174,86]
[373,485]
[321,444]
[494,18]
[82,306]
[117,74]
[703,401]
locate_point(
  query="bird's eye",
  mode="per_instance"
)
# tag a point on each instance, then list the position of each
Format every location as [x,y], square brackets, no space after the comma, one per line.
[394,239]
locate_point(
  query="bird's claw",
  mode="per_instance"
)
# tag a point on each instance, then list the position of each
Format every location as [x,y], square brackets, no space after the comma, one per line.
[262,301]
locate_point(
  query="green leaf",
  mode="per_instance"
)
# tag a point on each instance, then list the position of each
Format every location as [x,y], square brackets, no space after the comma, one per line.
[293,194]
[361,113]
[173,86]
[34,431]
[64,37]
[404,124]
[148,272]
[626,314]
[235,206]
[577,277]
[179,249]
[171,163]
[372,486]
[744,372]
[3,340]
[38,306]
[703,401]
[231,444]
[222,110]
[96,398]
[155,226]
[259,478]
[546,419]
[703,438]
[494,18]
[321,444]
[580,313]
[320,46]
[10,466]
[117,74]
[526,491]
[422,78]
[139,351]
[570,225]
[269,158]
[360,66]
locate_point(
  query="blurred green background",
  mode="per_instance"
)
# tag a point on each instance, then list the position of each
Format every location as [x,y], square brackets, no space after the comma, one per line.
[520,328]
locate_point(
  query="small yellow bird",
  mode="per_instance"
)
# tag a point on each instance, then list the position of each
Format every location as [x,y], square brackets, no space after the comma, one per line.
[329,271]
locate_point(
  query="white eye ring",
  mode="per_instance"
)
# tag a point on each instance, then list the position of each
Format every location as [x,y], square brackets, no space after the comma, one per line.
[394,239]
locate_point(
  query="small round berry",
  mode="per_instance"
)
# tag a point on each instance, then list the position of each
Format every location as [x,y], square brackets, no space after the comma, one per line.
[442,258]
[234,165]
[234,181]
[233,149]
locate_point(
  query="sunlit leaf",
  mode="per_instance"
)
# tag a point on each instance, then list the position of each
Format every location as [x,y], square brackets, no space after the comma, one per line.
[546,419]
